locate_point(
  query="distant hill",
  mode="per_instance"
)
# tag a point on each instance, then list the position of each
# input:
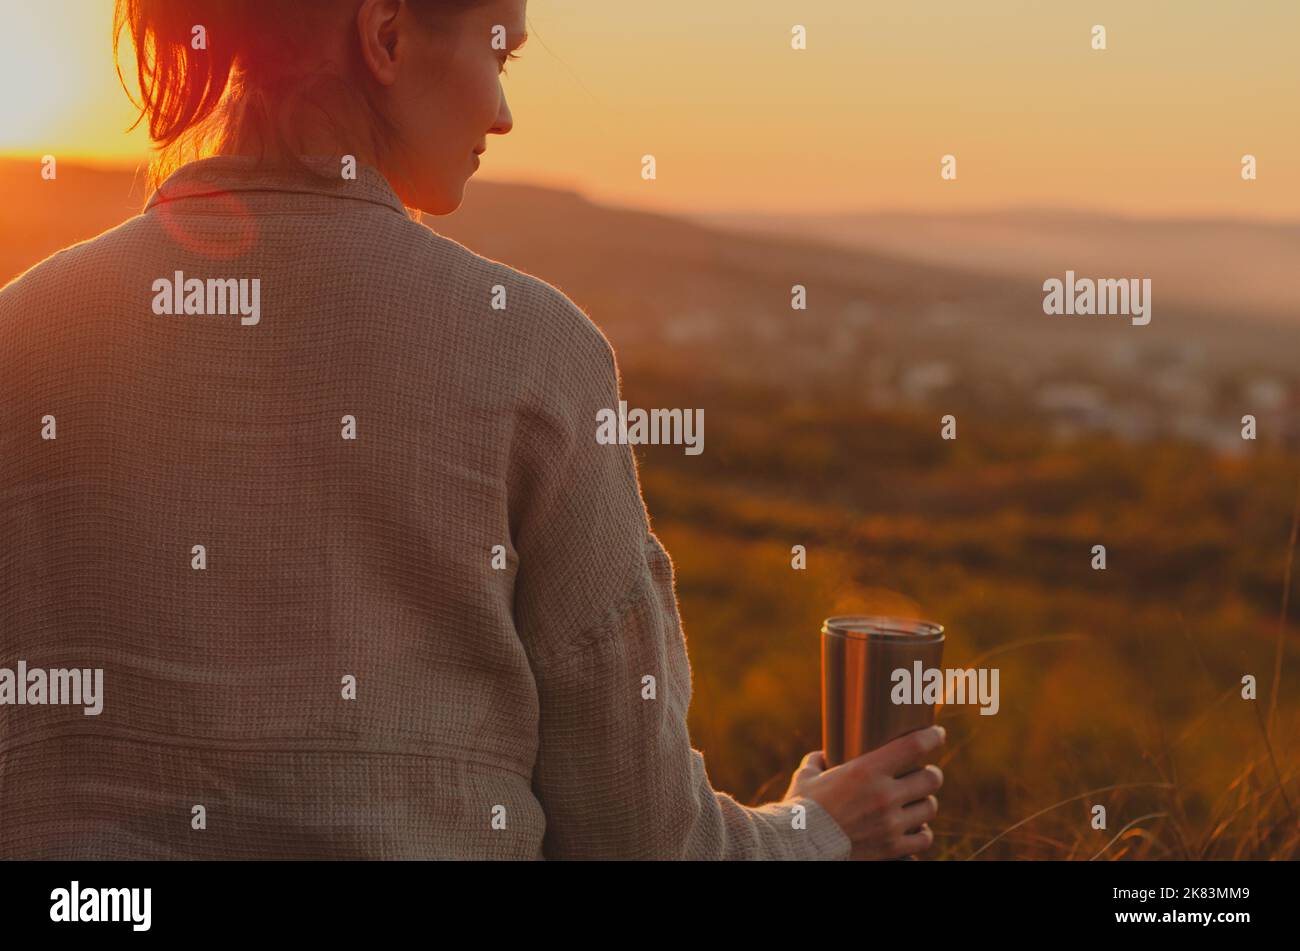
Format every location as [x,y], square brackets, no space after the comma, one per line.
[557,234]
[38,217]
[1238,267]
[632,270]
[885,292]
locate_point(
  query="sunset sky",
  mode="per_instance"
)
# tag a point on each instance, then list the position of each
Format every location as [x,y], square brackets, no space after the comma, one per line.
[738,121]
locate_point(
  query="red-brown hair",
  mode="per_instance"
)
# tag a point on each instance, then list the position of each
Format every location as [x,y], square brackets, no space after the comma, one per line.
[248,82]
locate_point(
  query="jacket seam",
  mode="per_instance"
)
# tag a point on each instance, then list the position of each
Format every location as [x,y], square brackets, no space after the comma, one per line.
[267,745]
[608,626]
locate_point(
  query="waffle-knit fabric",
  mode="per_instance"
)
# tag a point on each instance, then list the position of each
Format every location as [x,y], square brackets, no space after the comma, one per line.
[498,711]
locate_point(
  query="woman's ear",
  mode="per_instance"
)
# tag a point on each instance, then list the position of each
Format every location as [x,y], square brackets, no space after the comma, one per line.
[378,25]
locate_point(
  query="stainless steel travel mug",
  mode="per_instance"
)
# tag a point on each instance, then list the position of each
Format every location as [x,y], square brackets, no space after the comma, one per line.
[859,656]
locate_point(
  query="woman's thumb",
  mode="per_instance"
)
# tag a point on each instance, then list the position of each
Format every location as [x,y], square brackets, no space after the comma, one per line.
[810,767]
[812,764]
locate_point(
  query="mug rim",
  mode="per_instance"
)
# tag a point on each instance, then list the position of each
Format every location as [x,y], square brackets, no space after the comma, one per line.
[889,626]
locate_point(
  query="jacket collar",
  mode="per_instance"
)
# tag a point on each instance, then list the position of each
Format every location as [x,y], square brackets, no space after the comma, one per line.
[223,174]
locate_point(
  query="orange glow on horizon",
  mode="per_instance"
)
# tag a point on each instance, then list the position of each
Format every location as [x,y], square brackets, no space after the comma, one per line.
[738,121]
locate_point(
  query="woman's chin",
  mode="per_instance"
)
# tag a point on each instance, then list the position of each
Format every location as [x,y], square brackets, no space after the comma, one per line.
[444,201]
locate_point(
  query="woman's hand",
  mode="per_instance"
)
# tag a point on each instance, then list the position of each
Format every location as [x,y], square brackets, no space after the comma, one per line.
[880,799]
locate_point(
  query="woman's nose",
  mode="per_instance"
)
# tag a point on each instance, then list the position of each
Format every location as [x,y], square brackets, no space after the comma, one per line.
[505,121]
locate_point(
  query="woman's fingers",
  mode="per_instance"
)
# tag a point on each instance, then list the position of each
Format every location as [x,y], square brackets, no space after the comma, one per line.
[916,841]
[900,755]
[918,813]
[917,785]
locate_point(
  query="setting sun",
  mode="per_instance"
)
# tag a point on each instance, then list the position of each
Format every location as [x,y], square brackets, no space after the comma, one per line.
[70,101]
[31,117]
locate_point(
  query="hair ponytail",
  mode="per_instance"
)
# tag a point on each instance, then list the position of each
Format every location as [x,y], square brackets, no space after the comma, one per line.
[180,85]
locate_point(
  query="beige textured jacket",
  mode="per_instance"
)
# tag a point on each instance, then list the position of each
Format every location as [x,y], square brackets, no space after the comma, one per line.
[360,580]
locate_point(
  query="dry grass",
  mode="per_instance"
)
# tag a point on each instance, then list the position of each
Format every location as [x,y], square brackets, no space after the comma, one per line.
[1119,688]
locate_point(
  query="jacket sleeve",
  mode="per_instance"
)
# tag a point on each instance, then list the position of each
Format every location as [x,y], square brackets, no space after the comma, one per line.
[596,608]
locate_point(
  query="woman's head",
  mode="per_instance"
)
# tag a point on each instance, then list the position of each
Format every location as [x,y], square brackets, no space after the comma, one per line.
[410,86]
